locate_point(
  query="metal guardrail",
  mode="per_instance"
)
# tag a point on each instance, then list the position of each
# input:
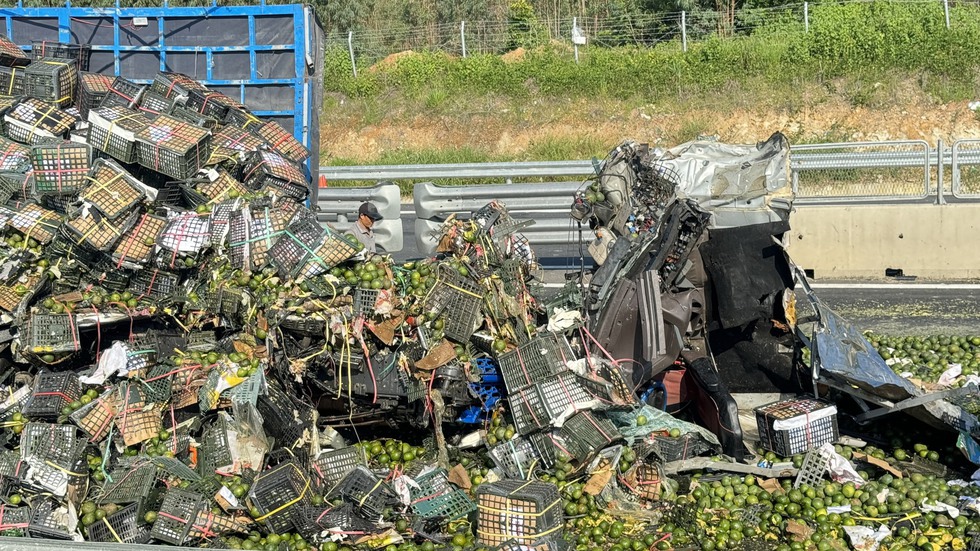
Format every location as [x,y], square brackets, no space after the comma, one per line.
[337,207]
[903,171]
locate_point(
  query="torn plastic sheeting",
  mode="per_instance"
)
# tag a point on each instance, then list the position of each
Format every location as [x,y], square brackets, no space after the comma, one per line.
[864,538]
[845,353]
[657,420]
[709,170]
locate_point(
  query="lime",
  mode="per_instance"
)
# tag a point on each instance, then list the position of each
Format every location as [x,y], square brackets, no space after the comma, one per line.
[641,420]
[675,433]
[16,499]
[150,517]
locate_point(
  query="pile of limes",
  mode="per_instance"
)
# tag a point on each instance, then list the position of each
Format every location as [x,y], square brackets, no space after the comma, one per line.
[391,453]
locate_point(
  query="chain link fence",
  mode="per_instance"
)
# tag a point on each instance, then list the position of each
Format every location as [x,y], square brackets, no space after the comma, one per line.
[901,170]
[494,36]
[966,169]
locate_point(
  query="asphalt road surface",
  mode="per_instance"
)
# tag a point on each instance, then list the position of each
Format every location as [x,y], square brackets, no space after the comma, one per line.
[889,307]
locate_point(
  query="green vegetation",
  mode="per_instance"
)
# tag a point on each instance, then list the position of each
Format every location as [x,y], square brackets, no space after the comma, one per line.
[844,40]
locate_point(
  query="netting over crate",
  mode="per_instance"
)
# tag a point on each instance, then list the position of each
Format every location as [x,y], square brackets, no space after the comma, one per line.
[795,426]
[113,131]
[11,295]
[232,137]
[173,147]
[97,232]
[153,104]
[60,167]
[10,53]
[78,53]
[96,417]
[266,169]
[14,157]
[252,232]
[31,120]
[92,87]
[282,141]
[52,80]
[219,186]
[542,356]
[135,249]
[305,249]
[175,86]
[122,92]
[112,189]
[517,510]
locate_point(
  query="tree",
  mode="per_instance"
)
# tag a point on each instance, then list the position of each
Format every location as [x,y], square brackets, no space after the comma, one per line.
[523,28]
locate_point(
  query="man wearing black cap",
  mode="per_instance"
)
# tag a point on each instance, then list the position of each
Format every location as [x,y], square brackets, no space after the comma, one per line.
[367,215]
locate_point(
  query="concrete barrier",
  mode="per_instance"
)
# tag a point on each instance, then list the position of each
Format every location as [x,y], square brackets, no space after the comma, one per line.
[928,241]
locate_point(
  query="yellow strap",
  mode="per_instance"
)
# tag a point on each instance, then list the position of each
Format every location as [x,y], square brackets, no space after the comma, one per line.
[112,123]
[102,186]
[112,530]
[41,118]
[62,469]
[290,503]
[10,88]
[368,494]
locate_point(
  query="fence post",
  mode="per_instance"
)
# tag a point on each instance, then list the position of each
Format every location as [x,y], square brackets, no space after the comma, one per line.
[946,11]
[462,35]
[574,42]
[940,200]
[684,31]
[350,48]
[806,16]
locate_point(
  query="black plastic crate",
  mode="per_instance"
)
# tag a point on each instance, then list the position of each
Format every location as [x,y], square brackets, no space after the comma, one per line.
[123,93]
[515,458]
[175,86]
[341,520]
[60,167]
[306,250]
[155,283]
[332,466]
[282,141]
[106,274]
[210,104]
[670,448]
[177,514]
[10,53]
[136,247]
[286,419]
[79,53]
[14,518]
[52,80]
[14,157]
[232,137]
[92,87]
[459,301]
[112,189]
[49,520]
[221,187]
[529,363]
[528,410]
[123,526]
[51,334]
[369,494]
[113,131]
[95,418]
[36,223]
[241,117]
[12,80]
[281,496]
[518,510]
[153,104]
[60,204]
[31,120]
[436,497]
[193,117]
[97,232]
[266,169]
[587,432]
[173,147]
[795,426]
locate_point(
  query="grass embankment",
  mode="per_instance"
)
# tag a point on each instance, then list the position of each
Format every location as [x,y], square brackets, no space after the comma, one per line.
[429,107]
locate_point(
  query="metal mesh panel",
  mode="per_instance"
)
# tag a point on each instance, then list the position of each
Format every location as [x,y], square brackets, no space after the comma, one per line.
[855,170]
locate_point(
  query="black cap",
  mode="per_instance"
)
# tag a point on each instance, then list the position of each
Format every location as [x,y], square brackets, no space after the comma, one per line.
[369,210]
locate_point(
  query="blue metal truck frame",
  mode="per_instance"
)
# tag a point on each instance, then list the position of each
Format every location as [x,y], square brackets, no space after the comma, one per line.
[305,45]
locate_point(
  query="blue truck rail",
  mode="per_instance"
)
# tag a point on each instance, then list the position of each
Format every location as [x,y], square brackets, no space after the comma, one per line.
[266,56]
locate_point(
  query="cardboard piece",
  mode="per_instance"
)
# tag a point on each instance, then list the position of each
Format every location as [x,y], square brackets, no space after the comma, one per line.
[438,356]
[459,477]
[881,463]
[770,485]
[386,329]
[598,482]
